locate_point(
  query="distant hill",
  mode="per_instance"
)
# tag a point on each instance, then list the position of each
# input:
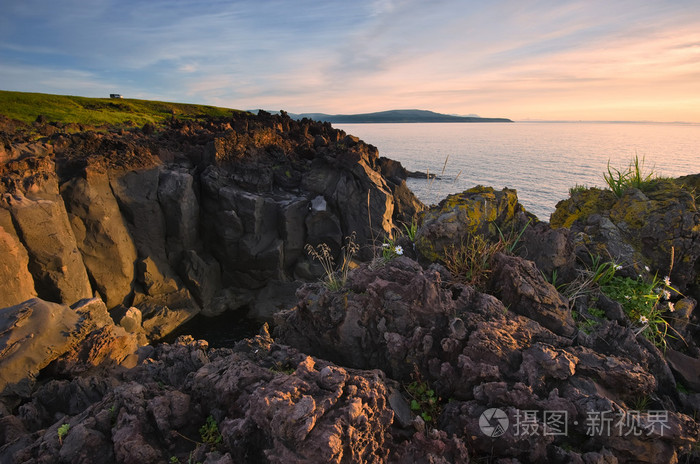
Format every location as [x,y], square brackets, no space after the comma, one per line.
[394,116]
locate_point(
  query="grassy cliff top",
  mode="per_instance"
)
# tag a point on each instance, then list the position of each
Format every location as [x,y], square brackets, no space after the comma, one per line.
[26,107]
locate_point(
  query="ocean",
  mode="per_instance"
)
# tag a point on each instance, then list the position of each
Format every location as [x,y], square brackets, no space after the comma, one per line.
[541,160]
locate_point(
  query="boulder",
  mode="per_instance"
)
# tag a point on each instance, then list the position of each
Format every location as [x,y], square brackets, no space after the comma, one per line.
[163,313]
[364,203]
[36,333]
[658,227]
[54,258]
[293,212]
[520,286]
[18,283]
[552,251]
[202,275]
[687,367]
[276,296]
[137,195]
[153,279]
[368,326]
[180,210]
[479,210]
[103,239]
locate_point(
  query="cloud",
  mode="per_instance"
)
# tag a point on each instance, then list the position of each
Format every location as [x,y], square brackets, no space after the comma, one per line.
[50,80]
[502,58]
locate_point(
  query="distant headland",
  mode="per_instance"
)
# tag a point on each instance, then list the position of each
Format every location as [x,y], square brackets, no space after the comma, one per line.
[394,116]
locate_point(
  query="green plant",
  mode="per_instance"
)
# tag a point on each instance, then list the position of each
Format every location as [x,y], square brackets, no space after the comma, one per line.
[391,250]
[283,368]
[597,313]
[210,432]
[586,322]
[577,188]
[631,177]
[62,432]
[602,271]
[335,279]
[424,400]
[174,460]
[589,279]
[554,280]
[510,242]
[640,403]
[113,414]
[411,230]
[681,388]
[644,303]
[470,262]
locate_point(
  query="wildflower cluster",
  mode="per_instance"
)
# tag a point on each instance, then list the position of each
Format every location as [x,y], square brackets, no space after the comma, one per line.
[644,302]
[335,279]
[390,250]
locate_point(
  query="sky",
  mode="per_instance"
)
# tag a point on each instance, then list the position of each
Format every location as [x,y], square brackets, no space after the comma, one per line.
[520,59]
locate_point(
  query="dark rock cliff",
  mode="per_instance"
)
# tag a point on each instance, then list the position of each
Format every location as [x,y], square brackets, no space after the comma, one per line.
[186,217]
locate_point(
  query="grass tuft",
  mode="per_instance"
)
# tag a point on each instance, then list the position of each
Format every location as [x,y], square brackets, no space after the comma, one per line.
[632,177]
[335,279]
[470,261]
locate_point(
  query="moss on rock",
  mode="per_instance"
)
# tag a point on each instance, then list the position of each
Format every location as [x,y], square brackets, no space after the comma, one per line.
[658,227]
[479,210]
[580,205]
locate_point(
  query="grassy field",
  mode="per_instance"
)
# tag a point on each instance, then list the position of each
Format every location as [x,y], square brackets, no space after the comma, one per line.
[98,111]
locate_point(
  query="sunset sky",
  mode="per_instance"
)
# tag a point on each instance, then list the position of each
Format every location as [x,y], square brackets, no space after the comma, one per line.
[521,59]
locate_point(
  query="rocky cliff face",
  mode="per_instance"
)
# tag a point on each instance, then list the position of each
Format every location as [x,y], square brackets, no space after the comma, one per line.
[188,217]
[495,337]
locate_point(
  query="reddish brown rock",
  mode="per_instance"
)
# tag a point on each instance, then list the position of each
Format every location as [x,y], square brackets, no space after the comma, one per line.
[18,283]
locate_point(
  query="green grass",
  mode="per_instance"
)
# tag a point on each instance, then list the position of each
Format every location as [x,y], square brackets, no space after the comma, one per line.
[633,176]
[26,107]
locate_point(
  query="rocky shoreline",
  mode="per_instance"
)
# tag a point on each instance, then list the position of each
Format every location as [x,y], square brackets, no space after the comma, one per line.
[112,239]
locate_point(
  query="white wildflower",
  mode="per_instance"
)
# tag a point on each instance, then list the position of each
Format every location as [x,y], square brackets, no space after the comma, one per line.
[646,268]
[385,245]
[667,295]
[671,306]
[618,267]
[398,249]
[643,319]
[667,281]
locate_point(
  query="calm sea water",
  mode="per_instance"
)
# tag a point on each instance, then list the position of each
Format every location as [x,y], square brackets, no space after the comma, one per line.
[540,160]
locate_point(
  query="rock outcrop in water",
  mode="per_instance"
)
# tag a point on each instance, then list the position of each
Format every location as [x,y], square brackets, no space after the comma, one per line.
[533,361]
